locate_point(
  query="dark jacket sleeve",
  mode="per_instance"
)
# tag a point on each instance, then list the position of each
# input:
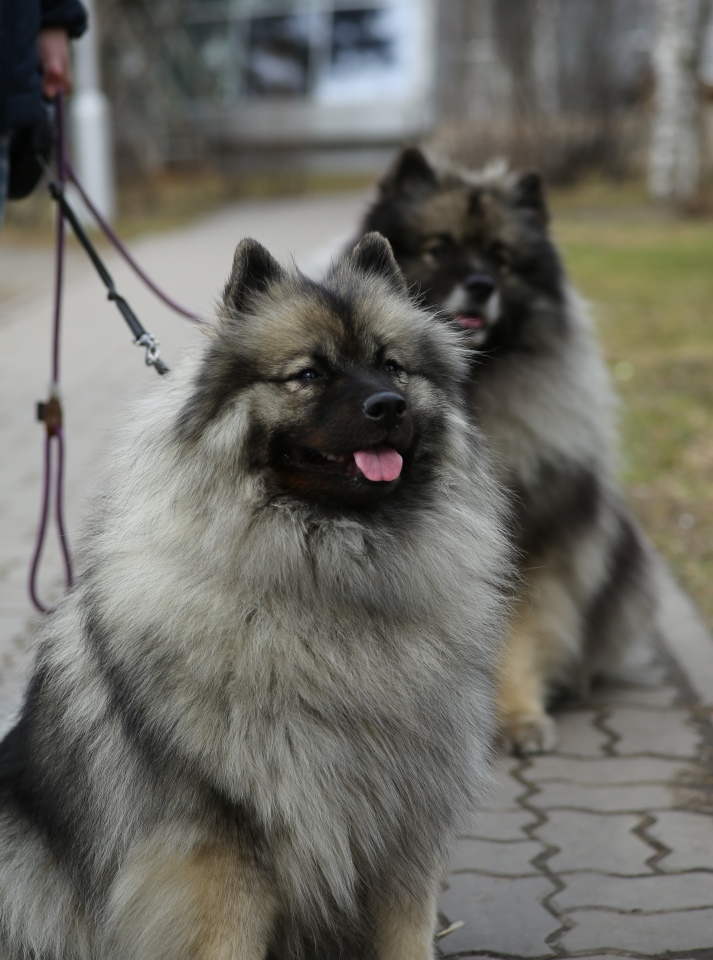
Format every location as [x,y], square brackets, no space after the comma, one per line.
[69,14]
[20,80]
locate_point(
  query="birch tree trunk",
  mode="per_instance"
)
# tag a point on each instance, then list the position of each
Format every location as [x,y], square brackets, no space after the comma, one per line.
[674,163]
[545,56]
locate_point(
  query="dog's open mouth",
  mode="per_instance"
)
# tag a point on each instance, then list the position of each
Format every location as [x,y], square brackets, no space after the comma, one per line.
[379,464]
[472,321]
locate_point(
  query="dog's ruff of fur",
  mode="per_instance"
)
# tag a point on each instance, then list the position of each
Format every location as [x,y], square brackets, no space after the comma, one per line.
[258,720]
[477,244]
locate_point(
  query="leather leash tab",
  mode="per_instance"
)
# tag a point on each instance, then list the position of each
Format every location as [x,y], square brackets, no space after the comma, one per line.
[50,412]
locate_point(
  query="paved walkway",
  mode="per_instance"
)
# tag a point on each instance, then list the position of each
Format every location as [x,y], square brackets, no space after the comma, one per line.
[602,849]
[605,847]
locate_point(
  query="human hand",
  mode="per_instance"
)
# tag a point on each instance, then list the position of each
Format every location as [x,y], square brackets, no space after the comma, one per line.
[53,53]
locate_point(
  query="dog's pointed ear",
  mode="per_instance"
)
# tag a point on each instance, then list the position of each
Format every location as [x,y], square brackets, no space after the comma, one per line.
[373,256]
[529,193]
[411,172]
[254,269]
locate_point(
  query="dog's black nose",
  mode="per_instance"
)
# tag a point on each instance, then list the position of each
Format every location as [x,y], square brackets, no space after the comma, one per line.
[385,408]
[479,284]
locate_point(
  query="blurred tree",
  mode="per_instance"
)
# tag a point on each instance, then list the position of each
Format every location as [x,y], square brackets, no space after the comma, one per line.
[675,156]
[557,84]
[546,57]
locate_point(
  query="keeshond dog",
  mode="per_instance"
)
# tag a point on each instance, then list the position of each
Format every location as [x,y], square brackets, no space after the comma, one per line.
[478,247]
[264,711]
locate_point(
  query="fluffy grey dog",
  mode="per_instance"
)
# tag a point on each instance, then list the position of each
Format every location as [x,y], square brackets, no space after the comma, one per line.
[477,243]
[258,720]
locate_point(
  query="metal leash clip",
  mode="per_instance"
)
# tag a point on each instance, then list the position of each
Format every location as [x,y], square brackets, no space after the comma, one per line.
[153,355]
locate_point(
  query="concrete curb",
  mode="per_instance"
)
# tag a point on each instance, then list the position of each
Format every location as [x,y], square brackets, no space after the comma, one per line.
[686,637]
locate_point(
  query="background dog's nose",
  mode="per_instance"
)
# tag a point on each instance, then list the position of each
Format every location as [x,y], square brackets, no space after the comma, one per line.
[479,284]
[386,408]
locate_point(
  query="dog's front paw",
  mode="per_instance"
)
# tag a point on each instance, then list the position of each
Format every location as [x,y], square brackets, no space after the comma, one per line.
[527,733]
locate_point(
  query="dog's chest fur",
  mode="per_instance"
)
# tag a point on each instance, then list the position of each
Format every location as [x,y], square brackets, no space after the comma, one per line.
[549,406]
[330,758]
[317,739]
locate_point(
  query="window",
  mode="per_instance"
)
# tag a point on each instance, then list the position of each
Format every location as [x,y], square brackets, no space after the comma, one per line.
[327,50]
[279,54]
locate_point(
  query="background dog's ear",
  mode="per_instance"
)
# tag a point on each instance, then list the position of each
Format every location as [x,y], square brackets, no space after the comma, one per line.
[529,193]
[412,172]
[373,255]
[254,269]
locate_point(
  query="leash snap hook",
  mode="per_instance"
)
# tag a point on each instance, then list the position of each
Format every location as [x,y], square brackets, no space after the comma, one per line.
[153,355]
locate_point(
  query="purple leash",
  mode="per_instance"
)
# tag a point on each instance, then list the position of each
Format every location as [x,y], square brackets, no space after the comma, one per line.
[50,412]
[114,239]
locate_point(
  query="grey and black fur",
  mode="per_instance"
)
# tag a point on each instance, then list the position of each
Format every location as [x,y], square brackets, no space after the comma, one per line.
[477,245]
[264,711]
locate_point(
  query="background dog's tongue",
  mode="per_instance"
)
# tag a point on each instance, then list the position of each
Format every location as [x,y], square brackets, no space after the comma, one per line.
[379,463]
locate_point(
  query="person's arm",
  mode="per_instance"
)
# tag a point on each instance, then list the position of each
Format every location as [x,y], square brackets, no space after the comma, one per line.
[61,19]
[68,14]
[53,54]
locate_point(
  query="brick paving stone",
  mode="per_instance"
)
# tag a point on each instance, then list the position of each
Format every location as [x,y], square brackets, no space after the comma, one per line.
[607,798]
[650,935]
[506,788]
[505,916]
[481,956]
[607,770]
[689,837]
[648,894]
[502,825]
[646,731]
[577,734]
[663,695]
[504,858]
[594,841]
[698,798]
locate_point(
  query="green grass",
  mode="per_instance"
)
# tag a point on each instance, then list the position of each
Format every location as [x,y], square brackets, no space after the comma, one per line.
[650,277]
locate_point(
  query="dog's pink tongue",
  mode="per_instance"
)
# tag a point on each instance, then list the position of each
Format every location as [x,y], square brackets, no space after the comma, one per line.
[470,321]
[379,463]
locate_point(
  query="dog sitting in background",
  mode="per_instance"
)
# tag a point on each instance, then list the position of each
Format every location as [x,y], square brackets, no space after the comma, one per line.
[477,246]
[265,710]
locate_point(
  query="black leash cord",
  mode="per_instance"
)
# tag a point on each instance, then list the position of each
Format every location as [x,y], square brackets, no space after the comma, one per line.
[142,337]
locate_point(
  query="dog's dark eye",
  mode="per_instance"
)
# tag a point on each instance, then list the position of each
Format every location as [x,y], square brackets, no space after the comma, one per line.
[391,366]
[307,374]
[500,255]
[439,249]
